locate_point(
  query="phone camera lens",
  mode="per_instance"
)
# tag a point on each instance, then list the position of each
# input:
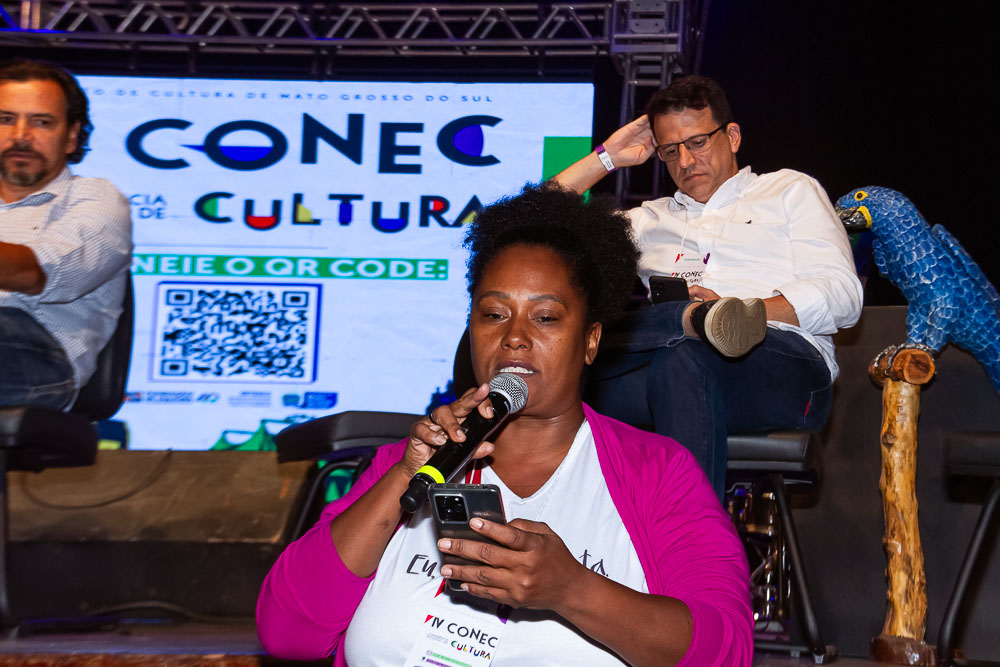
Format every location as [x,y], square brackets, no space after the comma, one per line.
[452,508]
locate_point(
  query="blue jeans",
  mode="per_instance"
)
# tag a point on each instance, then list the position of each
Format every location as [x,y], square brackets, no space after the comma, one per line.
[34,368]
[647,373]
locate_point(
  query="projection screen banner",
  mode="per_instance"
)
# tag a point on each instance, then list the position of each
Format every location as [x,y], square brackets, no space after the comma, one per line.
[298,243]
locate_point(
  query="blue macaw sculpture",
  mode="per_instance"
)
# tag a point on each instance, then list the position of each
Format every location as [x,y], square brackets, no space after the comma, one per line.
[950,299]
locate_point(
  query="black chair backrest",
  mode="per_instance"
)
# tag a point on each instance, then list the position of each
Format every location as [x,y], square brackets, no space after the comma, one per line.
[104,393]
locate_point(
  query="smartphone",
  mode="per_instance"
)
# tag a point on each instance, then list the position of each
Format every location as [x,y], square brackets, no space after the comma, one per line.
[454,505]
[667,288]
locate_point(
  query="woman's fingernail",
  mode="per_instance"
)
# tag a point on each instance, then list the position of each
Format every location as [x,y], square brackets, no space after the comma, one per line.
[444,544]
[476,523]
[446,571]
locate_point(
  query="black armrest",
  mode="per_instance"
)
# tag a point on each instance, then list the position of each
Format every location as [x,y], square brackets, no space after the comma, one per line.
[779,451]
[355,429]
[35,438]
[973,453]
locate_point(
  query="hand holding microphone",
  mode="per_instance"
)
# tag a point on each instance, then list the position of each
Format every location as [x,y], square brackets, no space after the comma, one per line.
[508,394]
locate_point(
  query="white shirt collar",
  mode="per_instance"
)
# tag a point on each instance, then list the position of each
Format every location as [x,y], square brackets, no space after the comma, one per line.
[728,192]
[53,188]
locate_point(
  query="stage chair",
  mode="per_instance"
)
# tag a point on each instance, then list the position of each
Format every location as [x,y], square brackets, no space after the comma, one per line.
[971,454]
[34,438]
[347,441]
[344,441]
[762,468]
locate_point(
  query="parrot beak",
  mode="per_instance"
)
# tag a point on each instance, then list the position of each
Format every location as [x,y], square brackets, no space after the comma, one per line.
[855,219]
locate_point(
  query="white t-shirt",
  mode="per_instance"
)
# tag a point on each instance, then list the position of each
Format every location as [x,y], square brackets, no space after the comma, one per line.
[576,505]
[759,236]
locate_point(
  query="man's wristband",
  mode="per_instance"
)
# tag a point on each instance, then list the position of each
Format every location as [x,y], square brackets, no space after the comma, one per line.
[605,159]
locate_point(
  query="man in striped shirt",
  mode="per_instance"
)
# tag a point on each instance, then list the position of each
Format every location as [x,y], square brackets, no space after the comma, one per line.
[65,241]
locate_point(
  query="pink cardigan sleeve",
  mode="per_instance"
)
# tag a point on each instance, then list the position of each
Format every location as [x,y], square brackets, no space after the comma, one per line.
[702,563]
[686,542]
[309,596]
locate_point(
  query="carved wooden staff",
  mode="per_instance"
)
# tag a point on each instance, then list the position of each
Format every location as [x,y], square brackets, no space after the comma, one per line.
[902,638]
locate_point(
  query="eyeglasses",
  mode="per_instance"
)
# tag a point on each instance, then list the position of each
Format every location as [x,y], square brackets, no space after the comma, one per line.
[696,144]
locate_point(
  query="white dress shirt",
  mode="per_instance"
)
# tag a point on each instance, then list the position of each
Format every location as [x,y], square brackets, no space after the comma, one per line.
[759,236]
[80,230]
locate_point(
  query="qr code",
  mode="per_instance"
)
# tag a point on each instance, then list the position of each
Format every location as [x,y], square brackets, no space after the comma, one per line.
[236,332]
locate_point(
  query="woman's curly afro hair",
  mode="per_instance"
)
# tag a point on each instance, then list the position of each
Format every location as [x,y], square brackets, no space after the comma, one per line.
[592,236]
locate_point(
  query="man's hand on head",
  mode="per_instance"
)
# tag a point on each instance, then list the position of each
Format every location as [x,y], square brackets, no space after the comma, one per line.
[632,144]
[627,147]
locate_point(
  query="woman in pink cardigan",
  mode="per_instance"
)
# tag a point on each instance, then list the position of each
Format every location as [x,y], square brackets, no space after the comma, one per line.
[615,551]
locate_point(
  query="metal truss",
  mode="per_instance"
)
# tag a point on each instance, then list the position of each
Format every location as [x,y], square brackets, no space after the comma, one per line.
[649,41]
[609,27]
[645,67]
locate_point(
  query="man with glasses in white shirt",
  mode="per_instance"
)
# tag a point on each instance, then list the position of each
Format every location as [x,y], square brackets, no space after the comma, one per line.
[770,278]
[65,241]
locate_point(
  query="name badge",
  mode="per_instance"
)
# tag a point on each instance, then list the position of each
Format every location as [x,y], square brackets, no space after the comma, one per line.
[456,635]
[690,267]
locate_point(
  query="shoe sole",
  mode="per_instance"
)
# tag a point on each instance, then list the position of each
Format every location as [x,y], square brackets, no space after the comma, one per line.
[734,327]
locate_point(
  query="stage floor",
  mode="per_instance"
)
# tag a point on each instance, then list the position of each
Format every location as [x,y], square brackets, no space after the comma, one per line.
[198,645]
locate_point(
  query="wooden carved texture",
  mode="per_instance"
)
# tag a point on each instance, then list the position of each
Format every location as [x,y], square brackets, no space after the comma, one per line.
[907,596]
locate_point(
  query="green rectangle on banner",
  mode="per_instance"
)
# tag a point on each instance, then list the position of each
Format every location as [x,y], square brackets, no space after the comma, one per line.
[560,152]
[256,266]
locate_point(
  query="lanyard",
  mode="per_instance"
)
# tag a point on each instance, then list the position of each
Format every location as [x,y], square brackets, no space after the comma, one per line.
[474,472]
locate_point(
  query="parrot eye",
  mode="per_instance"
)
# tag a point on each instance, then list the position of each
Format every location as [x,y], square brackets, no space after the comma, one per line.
[859,195]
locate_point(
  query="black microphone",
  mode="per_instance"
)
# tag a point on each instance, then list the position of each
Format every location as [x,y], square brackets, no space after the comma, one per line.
[508,394]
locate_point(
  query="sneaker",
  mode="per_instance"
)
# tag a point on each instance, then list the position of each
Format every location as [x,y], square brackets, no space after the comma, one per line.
[731,326]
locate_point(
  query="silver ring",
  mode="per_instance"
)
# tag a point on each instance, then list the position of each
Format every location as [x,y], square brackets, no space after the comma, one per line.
[430,417]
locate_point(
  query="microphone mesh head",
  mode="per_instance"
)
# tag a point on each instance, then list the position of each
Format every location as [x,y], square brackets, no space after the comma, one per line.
[512,387]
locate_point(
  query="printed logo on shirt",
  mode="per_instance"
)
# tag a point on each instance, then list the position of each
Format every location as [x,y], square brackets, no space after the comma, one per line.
[421,564]
[468,636]
[587,559]
[704,260]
